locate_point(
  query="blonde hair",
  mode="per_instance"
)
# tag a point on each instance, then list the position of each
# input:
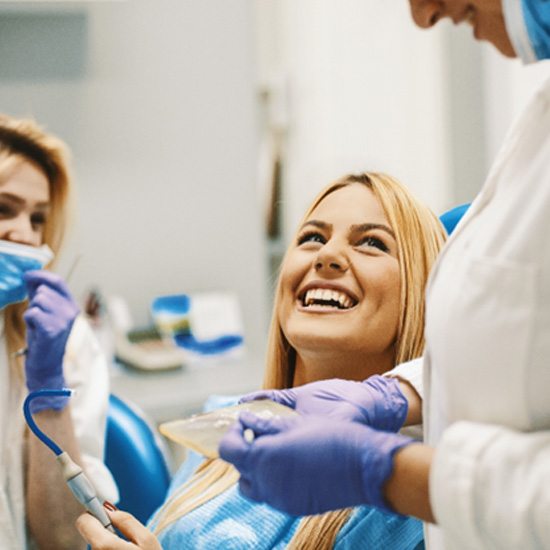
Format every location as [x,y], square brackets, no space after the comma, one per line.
[22,140]
[419,236]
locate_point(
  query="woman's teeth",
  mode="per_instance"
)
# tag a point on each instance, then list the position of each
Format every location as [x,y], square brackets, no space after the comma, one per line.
[327,298]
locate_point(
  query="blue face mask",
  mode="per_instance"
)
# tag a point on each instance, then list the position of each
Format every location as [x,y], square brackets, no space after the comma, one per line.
[537,21]
[15,260]
[528,26]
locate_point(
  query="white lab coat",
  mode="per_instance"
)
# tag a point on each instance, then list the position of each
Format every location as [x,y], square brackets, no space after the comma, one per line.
[85,371]
[487,360]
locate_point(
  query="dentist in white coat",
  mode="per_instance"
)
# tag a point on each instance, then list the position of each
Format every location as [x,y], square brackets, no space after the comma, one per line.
[482,477]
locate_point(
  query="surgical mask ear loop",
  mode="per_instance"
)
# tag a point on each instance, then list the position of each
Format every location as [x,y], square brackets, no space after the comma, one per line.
[77,481]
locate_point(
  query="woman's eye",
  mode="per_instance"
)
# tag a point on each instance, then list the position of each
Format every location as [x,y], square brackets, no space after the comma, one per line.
[311,238]
[5,211]
[373,242]
[38,219]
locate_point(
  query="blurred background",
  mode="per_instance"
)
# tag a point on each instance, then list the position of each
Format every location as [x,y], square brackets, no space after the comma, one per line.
[200,130]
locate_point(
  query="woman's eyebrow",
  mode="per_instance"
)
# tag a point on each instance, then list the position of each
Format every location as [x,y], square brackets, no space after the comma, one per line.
[42,205]
[317,223]
[361,228]
[10,197]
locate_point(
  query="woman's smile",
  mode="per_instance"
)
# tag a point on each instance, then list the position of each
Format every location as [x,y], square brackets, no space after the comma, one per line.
[322,297]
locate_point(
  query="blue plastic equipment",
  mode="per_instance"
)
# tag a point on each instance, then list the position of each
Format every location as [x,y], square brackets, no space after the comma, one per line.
[136,458]
[451,218]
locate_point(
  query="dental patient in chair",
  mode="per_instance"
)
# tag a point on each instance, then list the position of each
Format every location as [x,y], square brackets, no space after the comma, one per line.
[349,304]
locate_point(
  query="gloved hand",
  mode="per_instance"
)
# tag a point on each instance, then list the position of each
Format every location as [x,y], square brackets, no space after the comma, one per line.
[377,402]
[309,464]
[49,319]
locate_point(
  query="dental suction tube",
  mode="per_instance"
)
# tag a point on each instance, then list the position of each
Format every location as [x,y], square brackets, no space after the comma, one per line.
[76,479]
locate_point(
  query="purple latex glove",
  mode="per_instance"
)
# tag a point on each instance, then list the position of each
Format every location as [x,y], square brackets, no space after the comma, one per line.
[309,464]
[49,319]
[377,402]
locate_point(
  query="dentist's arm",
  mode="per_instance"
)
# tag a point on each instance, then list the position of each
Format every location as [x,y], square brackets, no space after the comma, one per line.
[407,489]
[50,505]
[51,508]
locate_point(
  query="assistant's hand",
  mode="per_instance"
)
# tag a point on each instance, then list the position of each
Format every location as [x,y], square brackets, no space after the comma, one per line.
[100,539]
[49,319]
[308,464]
[377,402]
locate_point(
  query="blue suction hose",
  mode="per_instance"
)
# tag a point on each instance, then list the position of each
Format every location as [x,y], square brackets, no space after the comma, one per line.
[77,481]
[32,424]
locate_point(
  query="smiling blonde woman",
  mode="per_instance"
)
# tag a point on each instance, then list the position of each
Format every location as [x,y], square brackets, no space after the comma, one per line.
[349,304]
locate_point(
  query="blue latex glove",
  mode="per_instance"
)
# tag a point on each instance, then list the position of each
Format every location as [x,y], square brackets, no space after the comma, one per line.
[49,319]
[377,402]
[309,464]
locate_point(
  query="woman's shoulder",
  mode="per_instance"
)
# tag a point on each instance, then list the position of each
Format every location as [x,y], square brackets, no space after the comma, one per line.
[82,338]
[84,361]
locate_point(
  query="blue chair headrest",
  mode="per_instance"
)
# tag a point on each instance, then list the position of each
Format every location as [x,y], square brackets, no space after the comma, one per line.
[450,218]
[134,456]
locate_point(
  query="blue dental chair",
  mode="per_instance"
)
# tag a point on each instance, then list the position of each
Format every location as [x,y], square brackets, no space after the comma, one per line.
[451,218]
[136,458]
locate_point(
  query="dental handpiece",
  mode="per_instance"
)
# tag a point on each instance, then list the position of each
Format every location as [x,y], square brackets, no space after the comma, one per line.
[83,490]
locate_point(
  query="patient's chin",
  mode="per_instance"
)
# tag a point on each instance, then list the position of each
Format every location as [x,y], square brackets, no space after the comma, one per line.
[319,338]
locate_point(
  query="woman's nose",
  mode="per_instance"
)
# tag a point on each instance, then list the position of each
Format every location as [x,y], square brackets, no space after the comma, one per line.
[331,260]
[426,13]
[319,265]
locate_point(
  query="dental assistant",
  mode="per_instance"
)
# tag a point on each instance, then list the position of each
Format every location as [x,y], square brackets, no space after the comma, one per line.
[39,316]
[481,480]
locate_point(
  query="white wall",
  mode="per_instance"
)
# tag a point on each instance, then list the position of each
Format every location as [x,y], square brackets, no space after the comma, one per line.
[508,86]
[157,100]
[365,91]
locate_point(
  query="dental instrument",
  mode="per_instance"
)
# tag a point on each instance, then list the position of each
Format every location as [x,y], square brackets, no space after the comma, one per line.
[203,432]
[76,479]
